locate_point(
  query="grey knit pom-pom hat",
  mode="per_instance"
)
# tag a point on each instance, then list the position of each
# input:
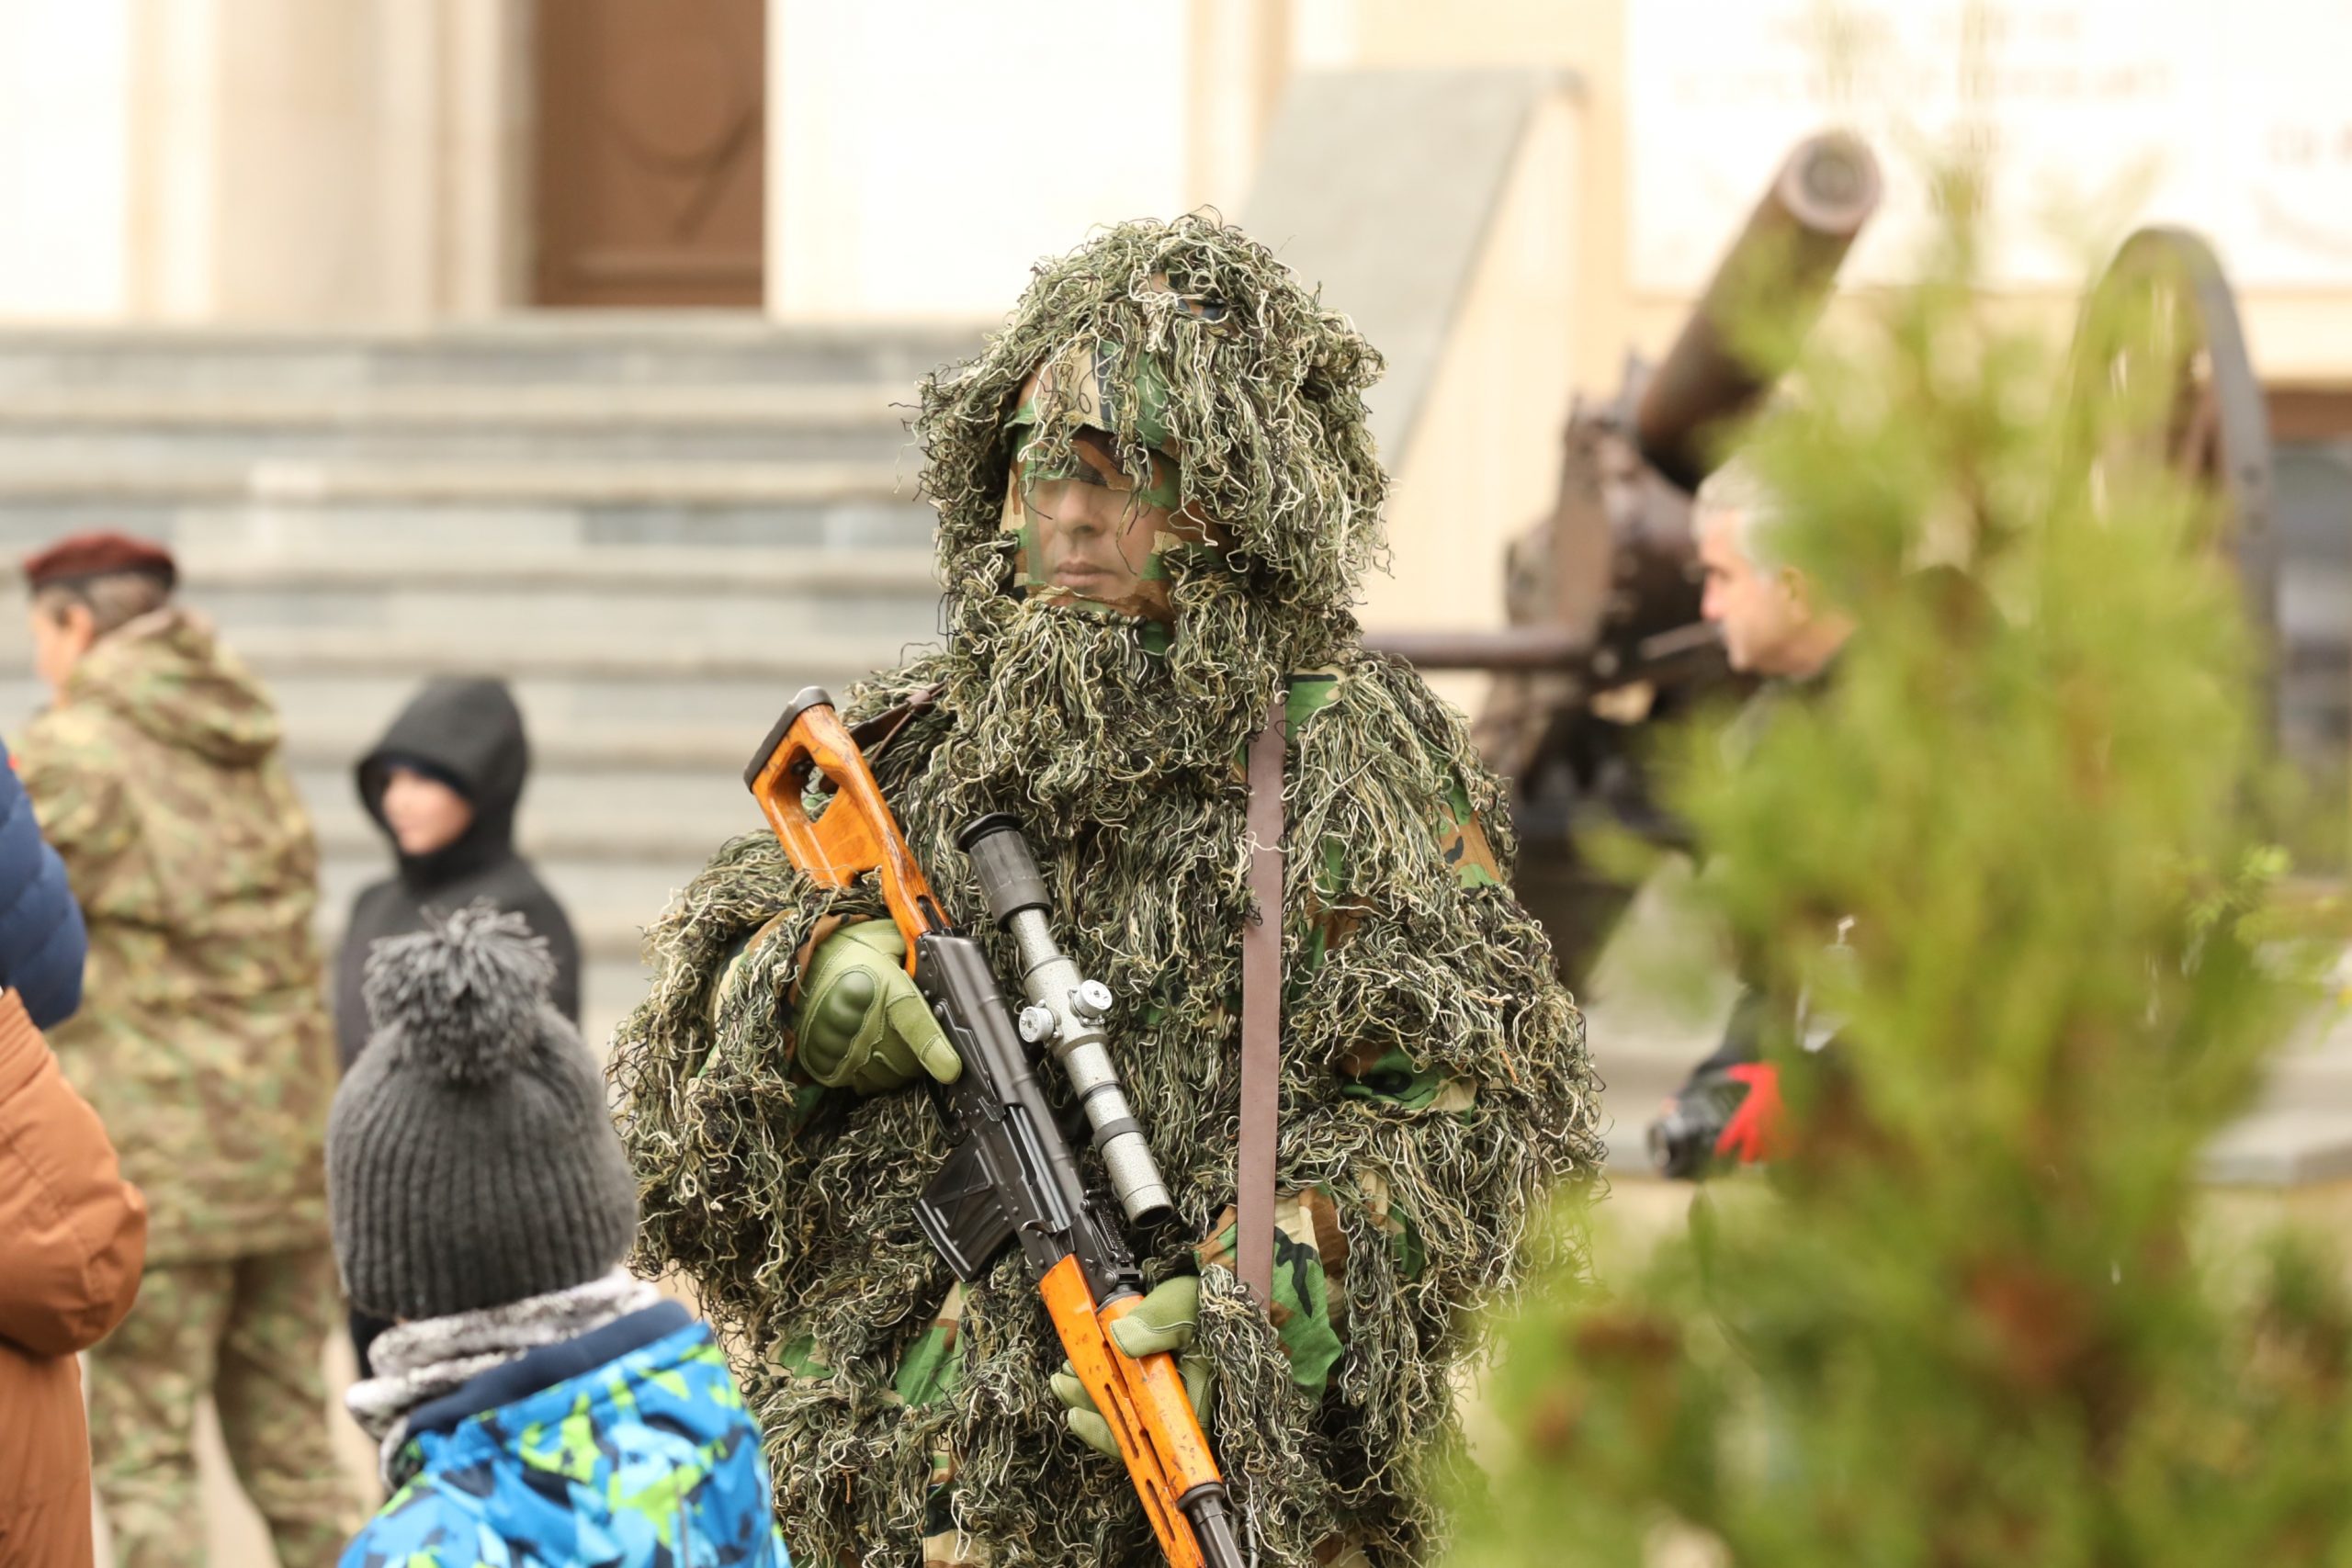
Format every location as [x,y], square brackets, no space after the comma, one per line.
[470,1159]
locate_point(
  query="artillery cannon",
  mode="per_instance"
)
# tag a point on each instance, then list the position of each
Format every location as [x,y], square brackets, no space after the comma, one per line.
[2161,316]
[1605,636]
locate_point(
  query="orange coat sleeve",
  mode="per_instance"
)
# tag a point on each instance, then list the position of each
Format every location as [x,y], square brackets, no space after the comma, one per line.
[73,1232]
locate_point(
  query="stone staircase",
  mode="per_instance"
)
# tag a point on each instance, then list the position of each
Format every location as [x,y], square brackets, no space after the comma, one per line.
[657,528]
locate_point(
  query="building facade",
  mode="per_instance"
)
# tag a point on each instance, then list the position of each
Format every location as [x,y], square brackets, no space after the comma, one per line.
[401,164]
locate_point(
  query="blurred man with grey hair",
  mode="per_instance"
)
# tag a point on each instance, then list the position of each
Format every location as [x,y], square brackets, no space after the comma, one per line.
[1774,625]
[1770,615]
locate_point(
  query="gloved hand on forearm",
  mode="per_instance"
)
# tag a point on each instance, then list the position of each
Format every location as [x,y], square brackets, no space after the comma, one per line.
[1163,1320]
[862,1024]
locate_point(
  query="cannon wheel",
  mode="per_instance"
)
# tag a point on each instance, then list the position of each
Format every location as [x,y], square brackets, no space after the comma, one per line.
[2215,430]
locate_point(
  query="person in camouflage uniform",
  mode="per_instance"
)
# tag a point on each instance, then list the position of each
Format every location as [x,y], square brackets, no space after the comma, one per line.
[202,1041]
[1157,496]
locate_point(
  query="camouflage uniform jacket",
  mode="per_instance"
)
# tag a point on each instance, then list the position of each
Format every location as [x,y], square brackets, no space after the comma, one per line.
[646,1459]
[1310,1251]
[1434,1081]
[203,1038]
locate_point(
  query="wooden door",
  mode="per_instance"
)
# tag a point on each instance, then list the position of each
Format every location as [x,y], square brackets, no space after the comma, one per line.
[652,128]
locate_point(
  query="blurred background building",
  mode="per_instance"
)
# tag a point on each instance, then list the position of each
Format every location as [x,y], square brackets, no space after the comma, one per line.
[573,340]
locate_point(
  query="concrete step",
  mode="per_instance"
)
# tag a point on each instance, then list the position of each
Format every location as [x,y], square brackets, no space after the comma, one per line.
[431,508]
[681,633]
[2273,1148]
[146,445]
[669,609]
[667,837]
[549,526]
[487,480]
[589,654]
[2316,1069]
[293,566]
[607,348]
[656,604]
[141,424]
[555,406]
[646,702]
[585,652]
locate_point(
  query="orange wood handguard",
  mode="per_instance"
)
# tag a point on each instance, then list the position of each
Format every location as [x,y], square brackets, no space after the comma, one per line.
[1156,1387]
[1144,1404]
[856,833]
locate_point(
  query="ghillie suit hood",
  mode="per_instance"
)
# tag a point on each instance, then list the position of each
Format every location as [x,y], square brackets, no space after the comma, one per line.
[1434,1078]
[1227,362]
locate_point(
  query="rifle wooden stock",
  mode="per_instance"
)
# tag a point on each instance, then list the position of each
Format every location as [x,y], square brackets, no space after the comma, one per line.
[839,846]
[1142,1400]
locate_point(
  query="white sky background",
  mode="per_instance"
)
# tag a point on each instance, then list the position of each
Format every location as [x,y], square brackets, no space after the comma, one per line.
[64,203]
[2232,117]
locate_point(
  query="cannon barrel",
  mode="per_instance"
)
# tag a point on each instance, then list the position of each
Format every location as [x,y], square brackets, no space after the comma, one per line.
[1662,656]
[1782,264]
[1513,647]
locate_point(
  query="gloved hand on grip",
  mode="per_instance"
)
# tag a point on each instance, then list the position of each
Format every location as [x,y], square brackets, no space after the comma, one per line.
[1163,1320]
[862,1024]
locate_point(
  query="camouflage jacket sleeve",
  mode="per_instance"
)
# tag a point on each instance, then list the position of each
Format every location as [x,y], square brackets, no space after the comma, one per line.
[77,797]
[1310,1276]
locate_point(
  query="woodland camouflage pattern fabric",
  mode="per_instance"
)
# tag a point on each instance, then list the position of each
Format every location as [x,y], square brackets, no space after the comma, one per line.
[203,1039]
[1083,376]
[1435,1083]
[245,1334]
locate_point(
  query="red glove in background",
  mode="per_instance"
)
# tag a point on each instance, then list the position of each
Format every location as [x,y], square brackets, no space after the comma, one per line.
[1756,1129]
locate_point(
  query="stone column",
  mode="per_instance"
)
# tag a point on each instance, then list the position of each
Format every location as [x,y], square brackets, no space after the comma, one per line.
[325,161]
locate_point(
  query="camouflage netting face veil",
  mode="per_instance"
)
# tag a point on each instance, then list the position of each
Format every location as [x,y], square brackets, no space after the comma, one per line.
[1187,359]
[1156,496]
[1095,528]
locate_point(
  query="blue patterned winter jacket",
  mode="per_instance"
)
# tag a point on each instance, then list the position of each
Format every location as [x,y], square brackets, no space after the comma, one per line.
[625,1447]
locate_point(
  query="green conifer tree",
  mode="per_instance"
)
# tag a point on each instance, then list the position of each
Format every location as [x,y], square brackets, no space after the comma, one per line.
[1959,1322]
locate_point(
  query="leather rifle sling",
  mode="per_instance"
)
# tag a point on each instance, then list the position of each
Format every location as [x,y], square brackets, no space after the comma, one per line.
[1261,1010]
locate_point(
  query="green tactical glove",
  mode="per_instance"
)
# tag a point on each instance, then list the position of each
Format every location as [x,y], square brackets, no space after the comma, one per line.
[1163,1320]
[863,1025]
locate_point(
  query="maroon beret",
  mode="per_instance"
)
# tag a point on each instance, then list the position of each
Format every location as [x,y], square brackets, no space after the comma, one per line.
[101,554]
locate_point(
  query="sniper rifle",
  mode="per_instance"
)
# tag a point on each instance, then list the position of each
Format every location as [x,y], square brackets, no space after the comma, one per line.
[1011,1175]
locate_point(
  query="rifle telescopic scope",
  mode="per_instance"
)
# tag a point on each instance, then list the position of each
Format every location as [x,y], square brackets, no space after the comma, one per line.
[1064,1013]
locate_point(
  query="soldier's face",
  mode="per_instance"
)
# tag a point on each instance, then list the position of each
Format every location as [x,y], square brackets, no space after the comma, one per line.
[425,814]
[1761,614]
[63,632]
[1096,533]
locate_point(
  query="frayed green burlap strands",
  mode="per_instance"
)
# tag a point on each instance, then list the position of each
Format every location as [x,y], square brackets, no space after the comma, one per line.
[791,1209]
[1265,402]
